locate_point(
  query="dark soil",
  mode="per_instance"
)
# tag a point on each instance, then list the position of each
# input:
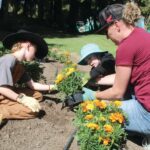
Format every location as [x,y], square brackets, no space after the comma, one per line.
[52,131]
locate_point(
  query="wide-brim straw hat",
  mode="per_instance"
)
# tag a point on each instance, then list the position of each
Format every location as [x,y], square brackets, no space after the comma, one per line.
[22,35]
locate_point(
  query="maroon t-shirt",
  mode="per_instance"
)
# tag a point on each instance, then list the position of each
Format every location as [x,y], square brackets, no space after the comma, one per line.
[135,51]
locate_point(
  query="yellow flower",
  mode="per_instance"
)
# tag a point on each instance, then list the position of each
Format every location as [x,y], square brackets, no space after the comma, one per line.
[93,126]
[108,128]
[59,78]
[74,65]
[90,106]
[114,117]
[67,54]
[89,117]
[100,138]
[117,103]
[70,70]
[87,105]
[68,62]
[106,141]
[102,118]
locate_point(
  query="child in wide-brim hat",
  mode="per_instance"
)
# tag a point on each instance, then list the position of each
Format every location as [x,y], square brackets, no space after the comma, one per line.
[17,103]
[102,64]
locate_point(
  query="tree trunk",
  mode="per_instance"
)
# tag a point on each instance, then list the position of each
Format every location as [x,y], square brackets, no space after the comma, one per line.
[58,18]
[73,14]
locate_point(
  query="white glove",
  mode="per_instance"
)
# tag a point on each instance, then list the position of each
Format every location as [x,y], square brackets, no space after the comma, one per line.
[30,102]
[53,87]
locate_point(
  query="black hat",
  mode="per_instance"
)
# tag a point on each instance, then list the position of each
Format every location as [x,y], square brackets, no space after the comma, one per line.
[22,35]
[109,14]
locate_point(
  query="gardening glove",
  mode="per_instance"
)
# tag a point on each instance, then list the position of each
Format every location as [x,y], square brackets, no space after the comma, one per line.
[79,97]
[74,99]
[88,94]
[30,102]
[53,87]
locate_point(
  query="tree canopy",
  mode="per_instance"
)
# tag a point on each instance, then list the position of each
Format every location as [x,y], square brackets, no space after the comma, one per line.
[59,14]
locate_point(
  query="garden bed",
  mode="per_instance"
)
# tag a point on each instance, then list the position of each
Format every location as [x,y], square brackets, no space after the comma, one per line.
[48,133]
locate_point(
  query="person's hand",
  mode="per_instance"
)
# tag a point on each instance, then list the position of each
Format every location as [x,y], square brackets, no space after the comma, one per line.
[30,102]
[53,87]
[74,99]
[88,94]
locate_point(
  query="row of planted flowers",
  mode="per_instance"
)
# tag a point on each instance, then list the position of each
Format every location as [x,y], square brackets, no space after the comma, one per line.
[99,123]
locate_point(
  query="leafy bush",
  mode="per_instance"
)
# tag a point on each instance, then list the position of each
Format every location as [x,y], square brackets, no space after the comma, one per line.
[100,125]
[35,70]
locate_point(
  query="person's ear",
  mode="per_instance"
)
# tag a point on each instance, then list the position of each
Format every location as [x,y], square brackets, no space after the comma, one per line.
[117,25]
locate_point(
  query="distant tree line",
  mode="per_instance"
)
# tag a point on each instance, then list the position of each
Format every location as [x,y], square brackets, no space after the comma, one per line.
[59,14]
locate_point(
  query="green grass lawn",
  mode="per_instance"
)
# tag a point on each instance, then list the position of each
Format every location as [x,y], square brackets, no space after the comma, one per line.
[74,44]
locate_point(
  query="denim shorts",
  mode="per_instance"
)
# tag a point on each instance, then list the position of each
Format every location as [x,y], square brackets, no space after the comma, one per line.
[138,117]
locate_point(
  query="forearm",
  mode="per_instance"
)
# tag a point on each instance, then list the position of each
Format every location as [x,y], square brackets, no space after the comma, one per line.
[7,92]
[107,80]
[40,87]
[109,94]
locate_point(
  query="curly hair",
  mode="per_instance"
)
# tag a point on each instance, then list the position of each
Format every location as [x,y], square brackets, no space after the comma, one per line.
[16,47]
[131,13]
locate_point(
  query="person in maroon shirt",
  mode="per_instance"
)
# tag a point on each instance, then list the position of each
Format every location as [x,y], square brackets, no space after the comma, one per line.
[132,66]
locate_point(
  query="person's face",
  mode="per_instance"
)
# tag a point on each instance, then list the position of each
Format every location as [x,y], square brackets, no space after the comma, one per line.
[30,51]
[93,61]
[112,32]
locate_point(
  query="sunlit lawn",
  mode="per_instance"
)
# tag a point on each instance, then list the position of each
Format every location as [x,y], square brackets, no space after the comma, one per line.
[75,43]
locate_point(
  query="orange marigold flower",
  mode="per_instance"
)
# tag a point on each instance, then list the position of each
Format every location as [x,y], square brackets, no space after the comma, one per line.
[101,104]
[97,102]
[89,117]
[108,128]
[106,141]
[116,117]
[87,105]
[93,126]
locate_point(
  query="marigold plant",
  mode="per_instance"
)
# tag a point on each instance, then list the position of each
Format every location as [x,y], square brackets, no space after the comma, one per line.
[100,125]
[69,80]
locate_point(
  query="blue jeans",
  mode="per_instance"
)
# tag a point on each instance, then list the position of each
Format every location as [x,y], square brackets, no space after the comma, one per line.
[138,117]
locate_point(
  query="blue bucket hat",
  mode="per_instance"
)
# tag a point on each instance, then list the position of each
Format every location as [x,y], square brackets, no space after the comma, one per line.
[87,50]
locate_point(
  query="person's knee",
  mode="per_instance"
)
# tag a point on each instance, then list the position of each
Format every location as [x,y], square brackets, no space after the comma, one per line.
[38,95]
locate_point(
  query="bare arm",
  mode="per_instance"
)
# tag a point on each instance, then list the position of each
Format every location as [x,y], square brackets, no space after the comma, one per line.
[38,86]
[106,80]
[7,92]
[122,77]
